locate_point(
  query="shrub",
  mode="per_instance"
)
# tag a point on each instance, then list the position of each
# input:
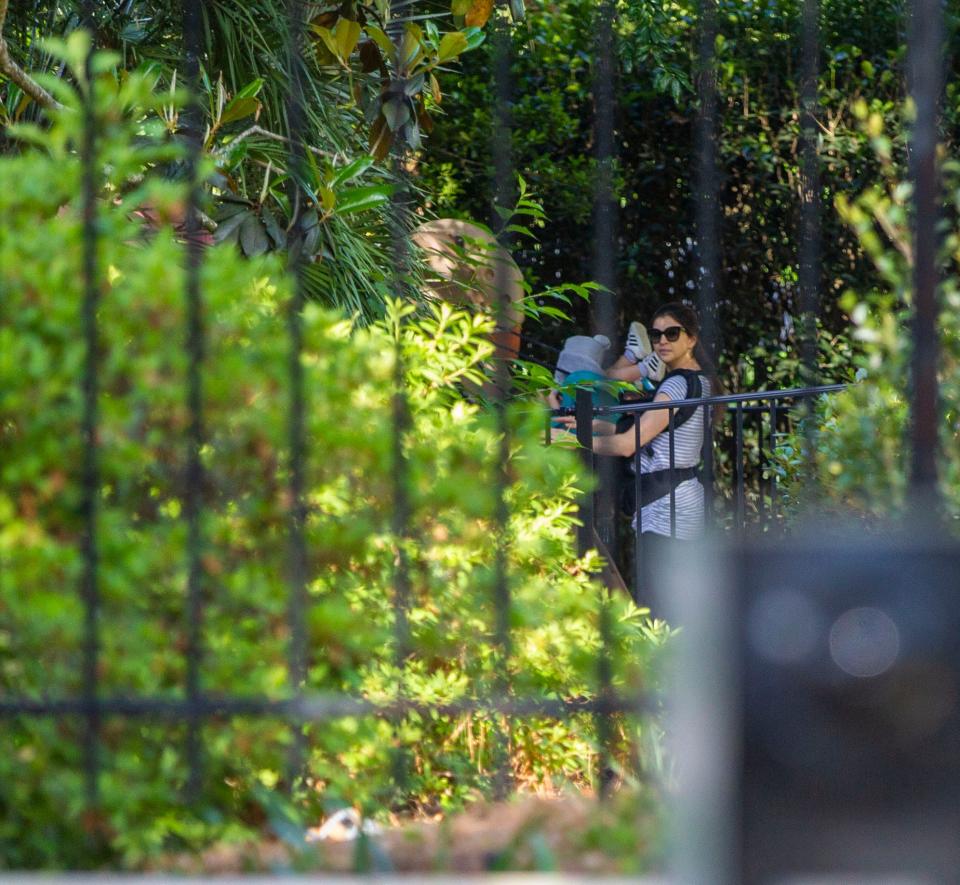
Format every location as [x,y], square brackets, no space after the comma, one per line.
[450,467]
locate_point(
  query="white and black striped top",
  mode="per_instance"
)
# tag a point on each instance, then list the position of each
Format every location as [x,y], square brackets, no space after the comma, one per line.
[688,442]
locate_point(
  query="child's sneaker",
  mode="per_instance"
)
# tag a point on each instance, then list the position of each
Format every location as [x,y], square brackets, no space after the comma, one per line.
[638,342]
[652,367]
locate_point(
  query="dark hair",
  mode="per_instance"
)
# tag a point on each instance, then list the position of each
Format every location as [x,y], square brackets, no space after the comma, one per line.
[690,320]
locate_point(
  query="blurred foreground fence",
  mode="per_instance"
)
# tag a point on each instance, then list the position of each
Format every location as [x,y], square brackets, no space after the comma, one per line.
[864,645]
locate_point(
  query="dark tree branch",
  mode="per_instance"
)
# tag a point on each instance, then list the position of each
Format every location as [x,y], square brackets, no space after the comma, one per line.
[13,72]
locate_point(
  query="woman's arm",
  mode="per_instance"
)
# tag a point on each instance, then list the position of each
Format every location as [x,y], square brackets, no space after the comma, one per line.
[624,444]
[622,370]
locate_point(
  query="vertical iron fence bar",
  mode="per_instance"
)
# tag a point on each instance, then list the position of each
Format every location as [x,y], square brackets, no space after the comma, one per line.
[400,517]
[90,504]
[502,148]
[925,52]
[638,587]
[584,413]
[707,185]
[604,301]
[741,502]
[195,346]
[809,276]
[400,419]
[708,464]
[604,321]
[773,446]
[297,566]
[761,466]
[673,457]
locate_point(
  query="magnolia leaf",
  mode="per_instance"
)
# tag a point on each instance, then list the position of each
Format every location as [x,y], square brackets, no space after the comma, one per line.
[370,57]
[272,227]
[412,86]
[227,229]
[452,44]
[412,45]
[424,119]
[347,34]
[311,241]
[435,89]
[328,199]
[253,237]
[356,199]
[396,112]
[326,35]
[251,90]
[353,169]
[411,134]
[460,7]
[381,139]
[238,109]
[479,13]
[381,39]
[325,19]
[474,37]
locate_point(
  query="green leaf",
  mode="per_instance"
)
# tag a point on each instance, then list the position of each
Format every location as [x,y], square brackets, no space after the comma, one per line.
[412,45]
[347,35]
[239,108]
[396,112]
[412,86]
[381,39]
[474,37]
[352,170]
[451,45]
[357,199]
[253,237]
[252,89]
[329,40]
[228,229]
[328,199]
[273,228]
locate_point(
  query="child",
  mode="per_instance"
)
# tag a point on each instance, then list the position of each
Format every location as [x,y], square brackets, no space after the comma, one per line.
[579,365]
[639,364]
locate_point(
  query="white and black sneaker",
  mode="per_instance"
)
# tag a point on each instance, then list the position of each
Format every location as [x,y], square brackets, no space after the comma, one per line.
[638,342]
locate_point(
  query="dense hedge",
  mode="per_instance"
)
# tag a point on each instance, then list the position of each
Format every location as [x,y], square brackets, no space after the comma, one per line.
[451,455]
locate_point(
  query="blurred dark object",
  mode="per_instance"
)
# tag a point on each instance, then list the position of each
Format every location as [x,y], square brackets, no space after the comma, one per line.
[833,738]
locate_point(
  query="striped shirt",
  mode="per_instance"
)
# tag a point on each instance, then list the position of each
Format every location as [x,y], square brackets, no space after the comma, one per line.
[688,442]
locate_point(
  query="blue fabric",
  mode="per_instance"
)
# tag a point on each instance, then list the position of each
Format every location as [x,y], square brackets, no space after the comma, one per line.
[600,392]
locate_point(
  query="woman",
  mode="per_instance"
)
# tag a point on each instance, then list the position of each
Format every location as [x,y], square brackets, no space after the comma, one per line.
[674,334]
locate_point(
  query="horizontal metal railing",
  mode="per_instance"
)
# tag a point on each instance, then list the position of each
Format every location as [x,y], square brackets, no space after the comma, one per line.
[768,410]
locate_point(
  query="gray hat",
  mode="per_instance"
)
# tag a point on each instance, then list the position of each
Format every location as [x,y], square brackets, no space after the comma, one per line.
[582,354]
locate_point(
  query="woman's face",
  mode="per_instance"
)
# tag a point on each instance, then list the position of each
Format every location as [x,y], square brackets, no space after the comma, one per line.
[673,353]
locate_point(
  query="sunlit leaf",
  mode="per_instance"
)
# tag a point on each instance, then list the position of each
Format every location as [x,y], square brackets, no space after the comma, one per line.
[479,13]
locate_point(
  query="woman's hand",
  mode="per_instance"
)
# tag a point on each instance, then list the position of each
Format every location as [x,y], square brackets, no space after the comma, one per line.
[566,434]
[569,422]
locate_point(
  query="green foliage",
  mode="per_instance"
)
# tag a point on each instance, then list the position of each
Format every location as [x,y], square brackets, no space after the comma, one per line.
[862,452]
[450,447]
[758,143]
[371,76]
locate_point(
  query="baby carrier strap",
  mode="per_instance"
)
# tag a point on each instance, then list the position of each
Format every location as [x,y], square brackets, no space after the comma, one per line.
[659,483]
[694,391]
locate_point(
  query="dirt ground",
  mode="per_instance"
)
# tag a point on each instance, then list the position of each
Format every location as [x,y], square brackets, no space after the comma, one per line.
[570,833]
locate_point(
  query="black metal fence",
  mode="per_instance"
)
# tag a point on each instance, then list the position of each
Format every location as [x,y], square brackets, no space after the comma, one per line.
[748,495]
[744,493]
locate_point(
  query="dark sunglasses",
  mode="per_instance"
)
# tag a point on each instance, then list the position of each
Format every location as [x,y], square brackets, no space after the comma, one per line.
[671,333]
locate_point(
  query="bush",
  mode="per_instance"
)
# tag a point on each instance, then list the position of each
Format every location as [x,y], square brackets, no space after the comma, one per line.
[862,435]
[450,450]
